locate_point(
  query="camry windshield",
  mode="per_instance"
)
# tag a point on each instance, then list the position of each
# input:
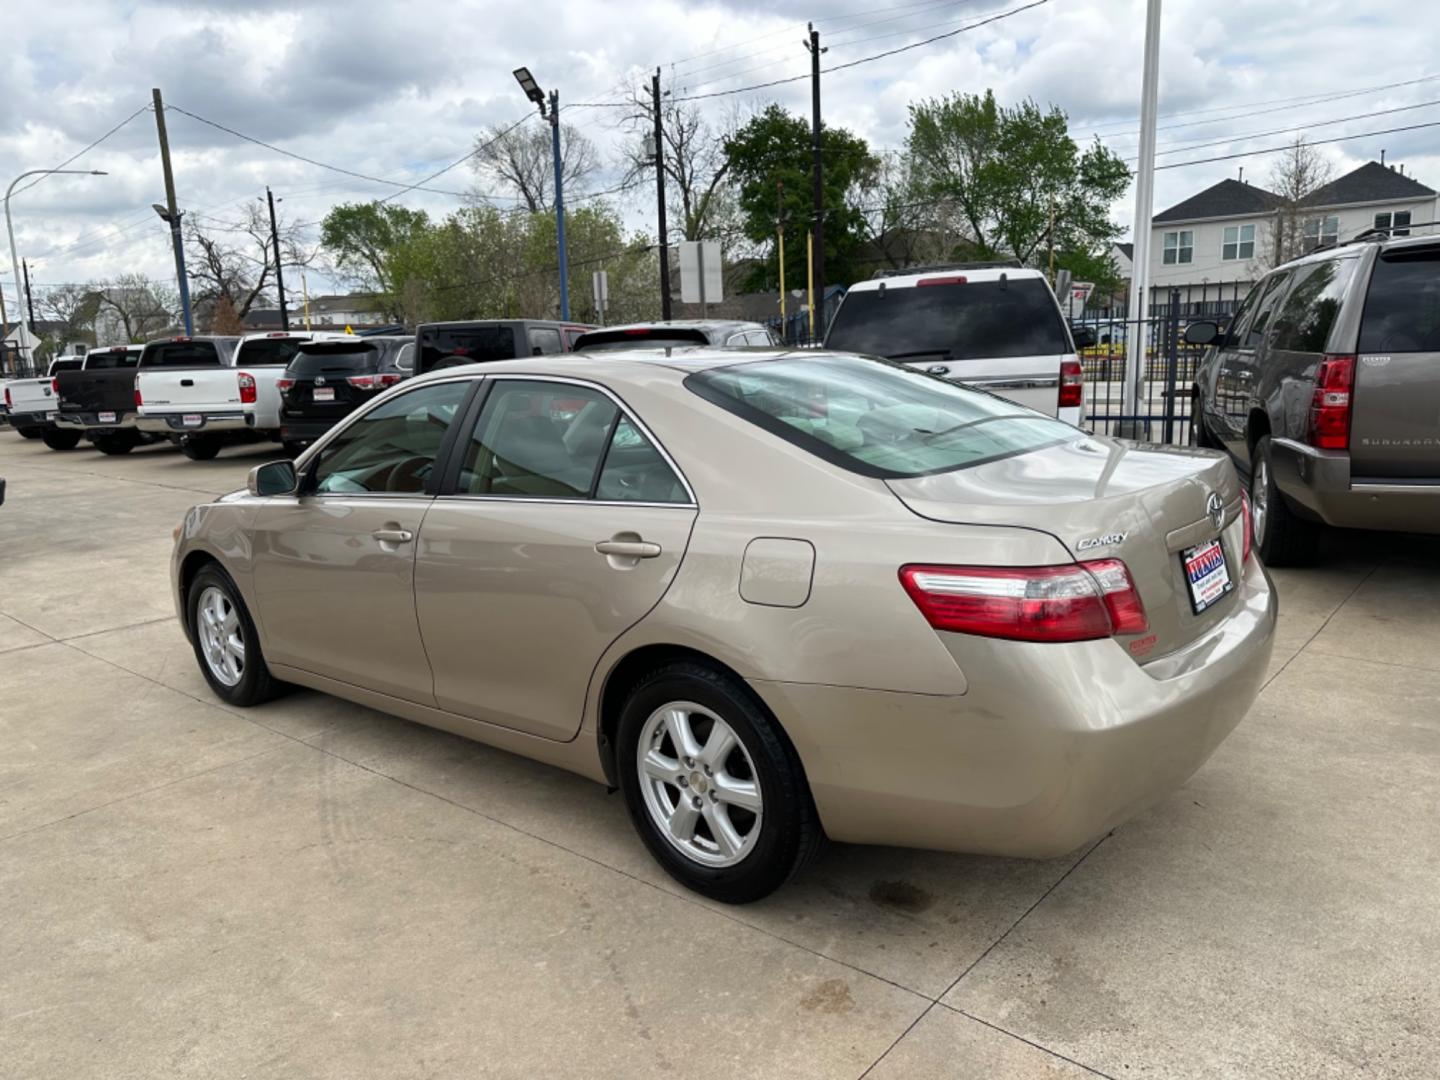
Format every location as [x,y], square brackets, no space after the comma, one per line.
[952,320]
[875,417]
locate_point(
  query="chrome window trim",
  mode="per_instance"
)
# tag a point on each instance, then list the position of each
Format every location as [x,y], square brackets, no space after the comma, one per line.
[624,410]
[581,501]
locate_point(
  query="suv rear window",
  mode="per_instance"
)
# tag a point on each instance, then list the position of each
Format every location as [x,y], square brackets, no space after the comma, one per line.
[1402,310]
[267,352]
[961,321]
[877,418]
[667,337]
[1304,322]
[180,354]
[466,345]
[323,358]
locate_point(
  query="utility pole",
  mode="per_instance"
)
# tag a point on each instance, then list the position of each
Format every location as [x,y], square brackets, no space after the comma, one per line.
[780,241]
[560,205]
[660,197]
[29,300]
[172,214]
[1144,206]
[817,228]
[279,274]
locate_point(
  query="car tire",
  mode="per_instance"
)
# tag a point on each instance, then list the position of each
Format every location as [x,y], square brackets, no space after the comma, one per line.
[217,618]
[30,432]
[732,824]
[56,439]
[114,444]
[1200,434]
[200,447]
[1281,538]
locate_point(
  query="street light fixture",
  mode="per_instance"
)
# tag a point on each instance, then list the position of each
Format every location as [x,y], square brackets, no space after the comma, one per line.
[534,93]
[10,230]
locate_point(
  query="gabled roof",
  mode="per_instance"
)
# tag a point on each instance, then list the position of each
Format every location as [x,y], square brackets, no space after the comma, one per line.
[1128,250]
[1371,182]
[1228,198]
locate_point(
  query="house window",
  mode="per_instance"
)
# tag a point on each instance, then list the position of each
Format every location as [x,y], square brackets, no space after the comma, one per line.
[1319,231]
[1396,224]
[1239,242]
[1178,247]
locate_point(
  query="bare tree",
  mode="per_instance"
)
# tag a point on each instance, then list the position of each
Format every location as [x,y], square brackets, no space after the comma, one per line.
[132,307]
[235,261]
[702,204]
[72,304]
[1295,175]
[523,161]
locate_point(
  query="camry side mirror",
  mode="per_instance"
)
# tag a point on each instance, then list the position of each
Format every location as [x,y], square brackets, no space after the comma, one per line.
[272,478]
[1083,336]
[1202,333]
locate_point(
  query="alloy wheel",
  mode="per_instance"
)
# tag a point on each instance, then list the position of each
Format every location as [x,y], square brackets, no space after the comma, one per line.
[699,784]
[222,639]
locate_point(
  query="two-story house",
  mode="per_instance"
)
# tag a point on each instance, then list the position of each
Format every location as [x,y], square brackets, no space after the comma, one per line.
[1217,243]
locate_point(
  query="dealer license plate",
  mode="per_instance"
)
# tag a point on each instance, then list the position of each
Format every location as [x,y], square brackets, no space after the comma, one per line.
[192,420]
[324,393]
[107,417]
[1207,574]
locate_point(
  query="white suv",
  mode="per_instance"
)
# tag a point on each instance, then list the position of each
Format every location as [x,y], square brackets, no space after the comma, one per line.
[994,326]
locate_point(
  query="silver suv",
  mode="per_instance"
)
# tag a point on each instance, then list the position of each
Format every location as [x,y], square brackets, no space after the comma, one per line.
[1326,386]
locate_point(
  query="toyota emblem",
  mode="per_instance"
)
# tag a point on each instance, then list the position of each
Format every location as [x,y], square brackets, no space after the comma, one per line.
[319,380]
[1215,509]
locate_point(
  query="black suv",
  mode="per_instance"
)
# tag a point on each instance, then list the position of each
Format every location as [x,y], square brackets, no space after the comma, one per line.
[476,341]
[328,380]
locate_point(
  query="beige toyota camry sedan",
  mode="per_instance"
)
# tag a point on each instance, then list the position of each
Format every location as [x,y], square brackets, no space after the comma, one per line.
[770,596]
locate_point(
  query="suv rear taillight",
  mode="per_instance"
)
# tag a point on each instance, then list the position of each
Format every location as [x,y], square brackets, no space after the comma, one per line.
[247,388]
[374,382]
[1074,602]
[284,385]
[1329,427]
[138,399]
[1072,384]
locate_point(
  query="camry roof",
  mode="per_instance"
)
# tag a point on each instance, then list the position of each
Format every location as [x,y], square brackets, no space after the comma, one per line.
[589,365]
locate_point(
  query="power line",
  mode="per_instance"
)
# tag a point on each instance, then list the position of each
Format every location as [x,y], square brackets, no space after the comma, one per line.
[461,160]
[868,59]
[87,149]
[1315,142]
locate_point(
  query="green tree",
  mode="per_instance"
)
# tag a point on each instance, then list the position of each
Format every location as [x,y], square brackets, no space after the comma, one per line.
[1013,176]
[365,240]
[769,158]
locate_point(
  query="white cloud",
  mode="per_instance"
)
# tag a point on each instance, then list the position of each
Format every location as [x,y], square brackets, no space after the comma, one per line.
[395,90]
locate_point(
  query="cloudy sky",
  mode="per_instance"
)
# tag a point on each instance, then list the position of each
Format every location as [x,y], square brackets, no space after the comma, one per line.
[396,91]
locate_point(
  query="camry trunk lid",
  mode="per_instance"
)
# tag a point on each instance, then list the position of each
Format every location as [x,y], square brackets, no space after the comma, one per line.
[1109,499]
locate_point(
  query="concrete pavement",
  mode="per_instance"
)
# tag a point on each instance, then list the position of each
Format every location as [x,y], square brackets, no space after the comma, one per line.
[314,889]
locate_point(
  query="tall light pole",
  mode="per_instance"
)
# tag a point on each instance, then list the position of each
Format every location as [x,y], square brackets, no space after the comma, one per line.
[10,229]
[534,93]
[1135,331]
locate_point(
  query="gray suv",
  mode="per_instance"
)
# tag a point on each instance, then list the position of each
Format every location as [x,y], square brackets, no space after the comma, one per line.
[1326,386]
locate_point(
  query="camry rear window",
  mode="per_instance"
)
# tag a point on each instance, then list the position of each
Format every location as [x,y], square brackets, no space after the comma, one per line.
[952,321]
[325,359]
[1402,309]
[180,354]
[875,417]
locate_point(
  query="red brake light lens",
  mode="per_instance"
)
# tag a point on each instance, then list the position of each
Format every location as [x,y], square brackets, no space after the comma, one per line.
[8,402]
[1075,602]
[363,382]
[954,279]
[1329,427]
[55,386]
[138,399]
[1072,384]
[247,388]
[284,384]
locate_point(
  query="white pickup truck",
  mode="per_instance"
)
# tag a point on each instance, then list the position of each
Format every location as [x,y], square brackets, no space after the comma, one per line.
[227,395]
[32,405]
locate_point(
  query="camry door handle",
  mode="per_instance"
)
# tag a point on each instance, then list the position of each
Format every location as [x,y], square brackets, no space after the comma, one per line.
[630,549]
[393,536]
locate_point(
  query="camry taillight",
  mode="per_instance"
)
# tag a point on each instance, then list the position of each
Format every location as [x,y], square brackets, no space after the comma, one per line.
[1249,528]
[247,388]
[1072,384]
[1329,427]
[1073,602]
[284,384]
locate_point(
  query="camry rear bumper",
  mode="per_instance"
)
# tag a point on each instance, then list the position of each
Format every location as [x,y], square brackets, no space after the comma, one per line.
[1051,747]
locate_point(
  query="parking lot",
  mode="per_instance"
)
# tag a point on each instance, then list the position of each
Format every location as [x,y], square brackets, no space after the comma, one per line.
[313,889]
